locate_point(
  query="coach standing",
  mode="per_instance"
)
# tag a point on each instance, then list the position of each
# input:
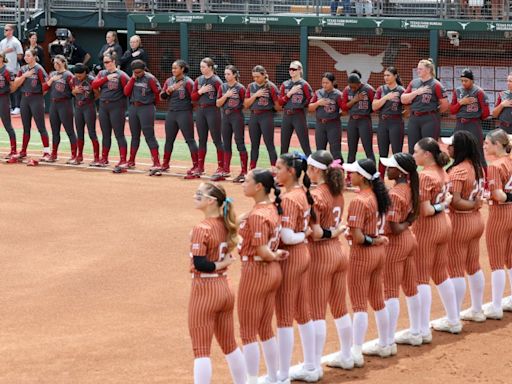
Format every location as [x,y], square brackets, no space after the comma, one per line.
[470,106]
[13,51]
[111,47]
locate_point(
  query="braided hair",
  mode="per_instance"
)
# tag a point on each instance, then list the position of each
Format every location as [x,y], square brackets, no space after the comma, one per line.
[407,162]
[378,186]
[265,178]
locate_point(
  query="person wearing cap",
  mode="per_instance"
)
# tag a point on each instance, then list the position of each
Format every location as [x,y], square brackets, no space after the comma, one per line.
[391,124]
[365,221]
[503,109]
[59,84]
[427,98]
[85,112]
[357,101]
[328,274]
[294,96]
[143,91]
[399,264]
[6,82]
[466,186]
[327,105]
[470,105]
[433,231]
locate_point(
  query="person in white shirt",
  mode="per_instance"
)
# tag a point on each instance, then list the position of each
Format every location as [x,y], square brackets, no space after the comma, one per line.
[13,51]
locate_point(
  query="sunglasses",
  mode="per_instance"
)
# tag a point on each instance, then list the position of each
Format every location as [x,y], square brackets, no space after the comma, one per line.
[293,69]
[198,195]
[106,62]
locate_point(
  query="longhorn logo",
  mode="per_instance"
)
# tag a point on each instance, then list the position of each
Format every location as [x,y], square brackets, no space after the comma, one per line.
[366,64]
[298,20]
[463,25]
[222,18]
[150,18]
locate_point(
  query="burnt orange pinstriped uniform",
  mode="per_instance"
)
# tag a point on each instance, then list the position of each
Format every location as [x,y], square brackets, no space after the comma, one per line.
[329,264]
[259,280]
[365,262]
[400,263]
[292,300]
[468,226]
[210,309]
[498,234]
[432,232]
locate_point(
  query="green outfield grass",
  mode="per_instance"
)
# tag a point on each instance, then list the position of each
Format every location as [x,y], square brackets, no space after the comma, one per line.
[180,151]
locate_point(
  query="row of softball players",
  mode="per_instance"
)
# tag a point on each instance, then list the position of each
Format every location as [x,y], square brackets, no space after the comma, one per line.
[385,253]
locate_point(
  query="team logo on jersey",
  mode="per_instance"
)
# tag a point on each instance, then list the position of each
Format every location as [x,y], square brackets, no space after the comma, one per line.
[59,86]
[366,64]
[2,81]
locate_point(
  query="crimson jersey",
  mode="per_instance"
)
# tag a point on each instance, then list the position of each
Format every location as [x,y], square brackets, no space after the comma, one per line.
[209,239]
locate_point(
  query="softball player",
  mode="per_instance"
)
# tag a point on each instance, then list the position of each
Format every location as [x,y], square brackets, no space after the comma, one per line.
[143,91]
[261,274]
[262,99]
[31,79]
[231,102]
[466,186]
[499,225]
[206,90]
[365,221]
[210,310]
[502,110]
[470,105]
[178,90]
[293,294]
[433,231]
[60,84]
[328,270]
[427,97]
[357,101]
[399,265]
[6,83]
[294,96]
[85,112]
[327,103]
[111,82]
[391,125]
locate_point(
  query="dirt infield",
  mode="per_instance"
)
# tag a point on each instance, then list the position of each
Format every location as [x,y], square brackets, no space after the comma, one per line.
[95,288]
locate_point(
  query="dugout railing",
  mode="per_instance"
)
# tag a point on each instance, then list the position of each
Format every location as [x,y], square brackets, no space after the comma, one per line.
[337,45]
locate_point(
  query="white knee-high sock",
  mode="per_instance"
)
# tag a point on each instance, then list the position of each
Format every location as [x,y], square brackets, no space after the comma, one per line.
[393,308]
[252,358]
[320,335]
[236,365]
[414,309]
[498,287]
[382,319]
[426,302]
[307,338]
[270,351]
[202,370]
[344,327]
[476,288]
[510,279]
[447,293]
[285,344]
[459,284]
[360,325]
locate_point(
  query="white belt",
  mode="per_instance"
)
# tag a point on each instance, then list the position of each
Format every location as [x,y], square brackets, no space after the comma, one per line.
[255,258]
[207,275]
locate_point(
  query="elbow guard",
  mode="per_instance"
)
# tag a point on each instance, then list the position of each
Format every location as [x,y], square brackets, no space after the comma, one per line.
[202,264]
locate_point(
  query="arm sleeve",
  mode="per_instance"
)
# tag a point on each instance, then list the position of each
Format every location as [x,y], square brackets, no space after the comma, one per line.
[273,94]
[498,102]
[241,93]
[291,238]
[454,106]
[248,92]
[283,99]
[440,91]
[41,74]
[189,87]
[195,92]
[409,88]
[128,88]
[344,100]
[202,264]
[371,93]
[307,92]
[155,87]
[99,81]
[484,104]
[314,98]
[378,94]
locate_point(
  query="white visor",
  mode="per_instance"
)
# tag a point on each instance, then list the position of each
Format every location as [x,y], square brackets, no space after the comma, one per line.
[355,167]
[390,162]
[316,164]
[447,140]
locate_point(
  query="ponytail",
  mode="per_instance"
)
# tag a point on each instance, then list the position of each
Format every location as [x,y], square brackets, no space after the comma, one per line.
[299,163]
[430,145]
[378,186]
[228,212]
[333,175]
[277,199]
[407,162]
[265,178]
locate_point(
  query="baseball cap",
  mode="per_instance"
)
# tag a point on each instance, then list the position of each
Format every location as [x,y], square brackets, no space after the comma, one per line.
[355,167]
[390,162]
[80,68]
[467,73]
[354,78]
[447,140]
[138,64]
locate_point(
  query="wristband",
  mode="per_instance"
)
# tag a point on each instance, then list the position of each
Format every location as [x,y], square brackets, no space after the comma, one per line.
[509,197]
[327,233]
[438,208]
[368,240]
